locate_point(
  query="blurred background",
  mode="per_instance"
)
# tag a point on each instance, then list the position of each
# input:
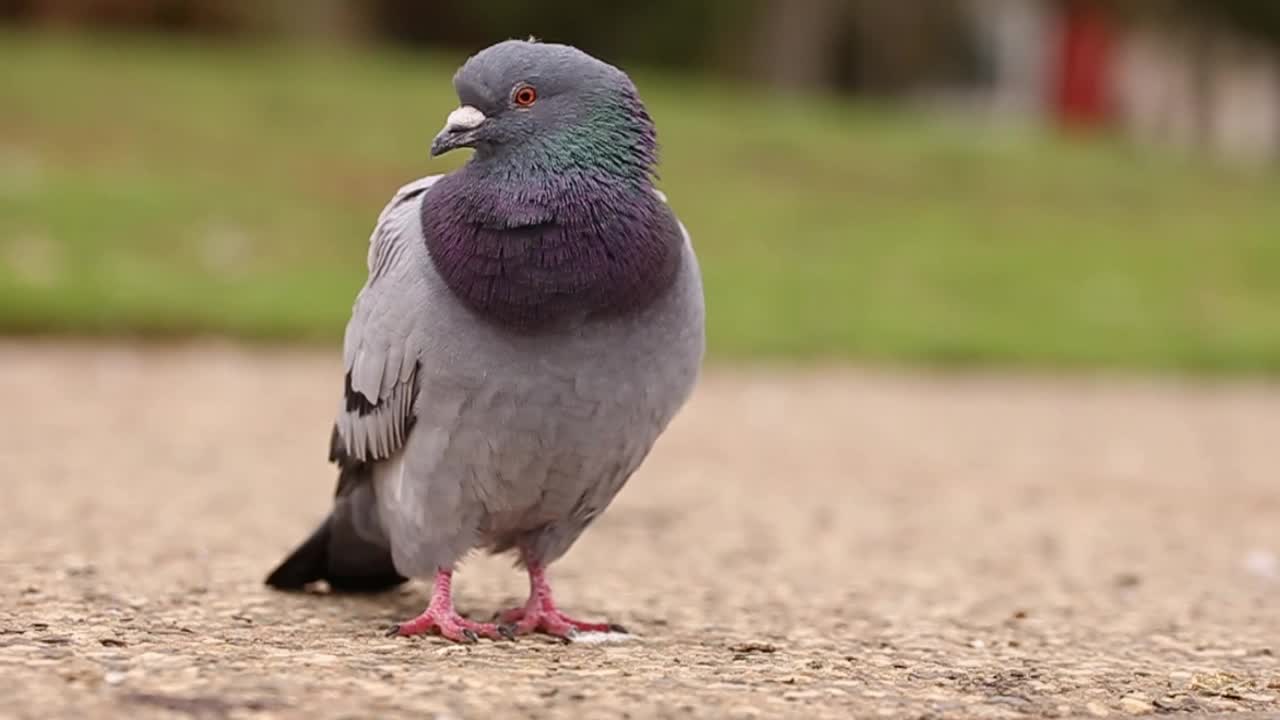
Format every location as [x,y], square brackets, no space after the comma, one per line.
[1044,183]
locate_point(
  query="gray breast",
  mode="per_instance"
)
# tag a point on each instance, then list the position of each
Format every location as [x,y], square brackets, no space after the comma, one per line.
[525,439]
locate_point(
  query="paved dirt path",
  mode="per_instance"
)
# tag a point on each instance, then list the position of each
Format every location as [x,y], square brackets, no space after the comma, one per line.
[819,544]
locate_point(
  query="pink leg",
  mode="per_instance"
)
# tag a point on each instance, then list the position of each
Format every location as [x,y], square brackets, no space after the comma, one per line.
[540,612]
[443,618]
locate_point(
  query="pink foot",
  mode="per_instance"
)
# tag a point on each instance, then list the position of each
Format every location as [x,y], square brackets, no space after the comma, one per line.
[444,619]
[540,613]
[525,620]
[450,625]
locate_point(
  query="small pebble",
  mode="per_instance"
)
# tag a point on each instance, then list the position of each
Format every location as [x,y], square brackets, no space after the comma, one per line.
[1136,705]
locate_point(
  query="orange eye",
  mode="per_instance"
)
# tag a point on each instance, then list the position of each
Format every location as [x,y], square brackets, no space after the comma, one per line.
[525,96]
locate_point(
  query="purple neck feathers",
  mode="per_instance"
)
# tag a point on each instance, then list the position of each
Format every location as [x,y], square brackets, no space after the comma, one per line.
[535,250]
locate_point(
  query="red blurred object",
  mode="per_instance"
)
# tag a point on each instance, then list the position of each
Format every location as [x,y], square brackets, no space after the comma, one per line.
[1083,65]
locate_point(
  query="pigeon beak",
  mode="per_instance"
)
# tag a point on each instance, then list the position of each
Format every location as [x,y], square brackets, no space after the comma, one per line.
[460,130]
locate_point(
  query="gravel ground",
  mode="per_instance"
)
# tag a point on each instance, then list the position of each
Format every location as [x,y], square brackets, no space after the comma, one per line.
[813,544]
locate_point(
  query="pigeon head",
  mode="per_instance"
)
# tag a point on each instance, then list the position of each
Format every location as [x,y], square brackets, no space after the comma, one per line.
[555,218]
[550,107]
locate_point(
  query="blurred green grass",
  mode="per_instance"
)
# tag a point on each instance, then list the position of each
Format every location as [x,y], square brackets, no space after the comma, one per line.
[161,189]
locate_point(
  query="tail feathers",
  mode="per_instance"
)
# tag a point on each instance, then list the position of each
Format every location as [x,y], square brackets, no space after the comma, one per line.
[337,555]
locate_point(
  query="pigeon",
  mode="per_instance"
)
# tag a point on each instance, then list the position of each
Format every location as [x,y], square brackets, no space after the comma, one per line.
[531,323]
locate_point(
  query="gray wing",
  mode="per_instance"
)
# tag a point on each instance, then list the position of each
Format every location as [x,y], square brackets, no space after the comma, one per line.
[384,339]
[381,355]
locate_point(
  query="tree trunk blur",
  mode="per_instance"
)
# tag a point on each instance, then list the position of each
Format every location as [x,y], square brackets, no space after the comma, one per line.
[794,42]
[319,20]
[894,43]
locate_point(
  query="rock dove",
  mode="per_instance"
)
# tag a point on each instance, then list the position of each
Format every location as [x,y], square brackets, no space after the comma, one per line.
[530,324]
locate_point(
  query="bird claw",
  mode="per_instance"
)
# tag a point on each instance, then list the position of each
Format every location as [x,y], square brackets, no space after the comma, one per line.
[549,621]
[449,625]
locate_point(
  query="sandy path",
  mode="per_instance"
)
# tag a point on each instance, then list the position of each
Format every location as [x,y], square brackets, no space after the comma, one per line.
[820,544]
